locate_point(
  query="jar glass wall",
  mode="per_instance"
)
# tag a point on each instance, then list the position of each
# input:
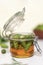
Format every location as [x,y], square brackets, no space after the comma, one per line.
[21,46]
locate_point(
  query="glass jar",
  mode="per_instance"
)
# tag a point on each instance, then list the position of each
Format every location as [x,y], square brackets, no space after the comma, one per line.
[21,45]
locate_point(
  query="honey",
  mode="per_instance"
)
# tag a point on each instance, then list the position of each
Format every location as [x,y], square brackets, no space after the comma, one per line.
[21,53]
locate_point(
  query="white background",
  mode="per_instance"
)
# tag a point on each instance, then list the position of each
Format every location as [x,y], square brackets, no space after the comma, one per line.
[33,13]
[33,17]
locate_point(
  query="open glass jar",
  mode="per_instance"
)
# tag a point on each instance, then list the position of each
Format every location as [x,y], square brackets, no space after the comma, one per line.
[21,45]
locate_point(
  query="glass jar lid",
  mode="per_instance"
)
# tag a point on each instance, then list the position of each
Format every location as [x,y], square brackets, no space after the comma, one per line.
[14,22]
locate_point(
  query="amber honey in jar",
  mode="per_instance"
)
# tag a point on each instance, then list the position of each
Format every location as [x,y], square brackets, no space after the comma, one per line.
[21,46]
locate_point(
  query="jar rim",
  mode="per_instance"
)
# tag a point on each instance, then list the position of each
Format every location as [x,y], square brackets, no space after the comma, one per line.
[22,34]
